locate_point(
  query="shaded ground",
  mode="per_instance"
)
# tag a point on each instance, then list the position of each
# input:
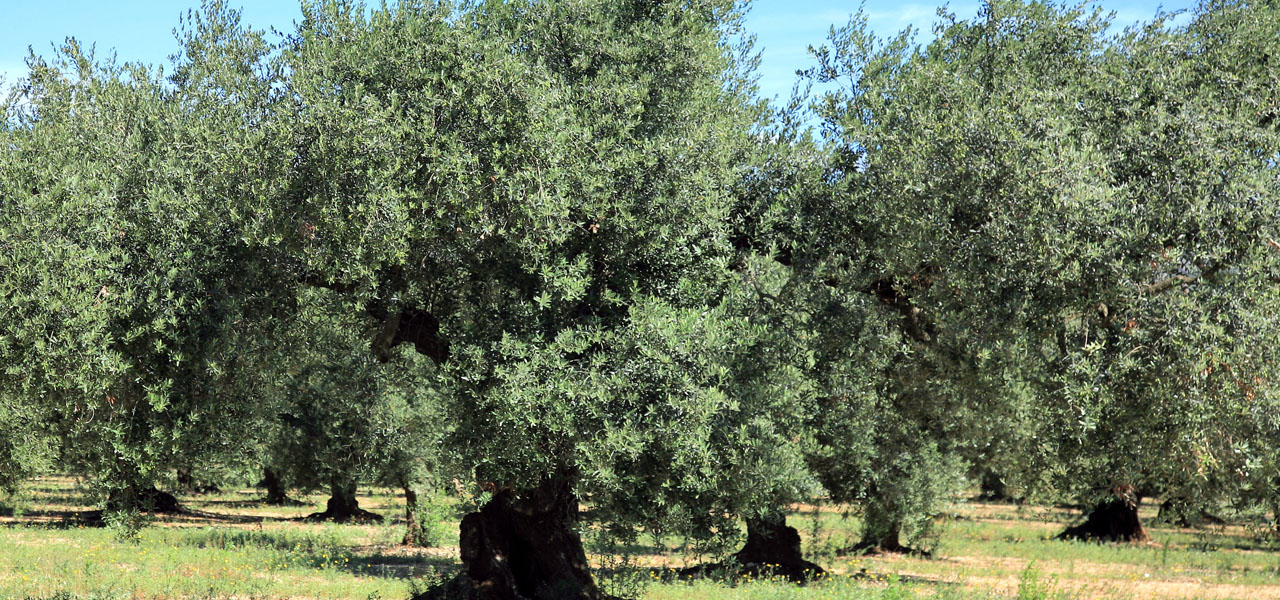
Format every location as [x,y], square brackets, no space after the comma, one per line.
[232,545]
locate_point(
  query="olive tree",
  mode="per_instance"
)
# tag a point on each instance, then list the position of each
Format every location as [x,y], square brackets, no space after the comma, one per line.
[1093,213]
[536,196]
[124,284]
[344,417]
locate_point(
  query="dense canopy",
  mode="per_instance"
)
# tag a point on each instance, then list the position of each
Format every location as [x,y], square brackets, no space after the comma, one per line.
[558,253]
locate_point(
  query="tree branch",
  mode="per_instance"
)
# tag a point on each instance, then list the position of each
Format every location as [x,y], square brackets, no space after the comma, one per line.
[913,323]
[418,327]
[1165,285]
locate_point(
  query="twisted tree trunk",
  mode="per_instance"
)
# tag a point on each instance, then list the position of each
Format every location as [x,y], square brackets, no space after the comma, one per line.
[1182,512]
[148,499]
[773,548]
[882,533]
[343,506]
[522,548]
[1115,520]
[187,483]
[415,536]
[993,488]
[277,495]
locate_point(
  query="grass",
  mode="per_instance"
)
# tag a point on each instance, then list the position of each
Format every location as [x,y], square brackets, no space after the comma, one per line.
[234,547]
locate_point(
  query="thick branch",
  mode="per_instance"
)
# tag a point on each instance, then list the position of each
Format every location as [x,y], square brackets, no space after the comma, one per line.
[418,327]
[913,322]
[1165,285]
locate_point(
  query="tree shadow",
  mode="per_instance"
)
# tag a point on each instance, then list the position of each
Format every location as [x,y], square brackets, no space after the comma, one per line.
[322,550]
[254,503]
[66,519]
[400,566]
[52,519]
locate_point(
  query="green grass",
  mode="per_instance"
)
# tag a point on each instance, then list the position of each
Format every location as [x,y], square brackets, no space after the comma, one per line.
[173,563]
[234,547]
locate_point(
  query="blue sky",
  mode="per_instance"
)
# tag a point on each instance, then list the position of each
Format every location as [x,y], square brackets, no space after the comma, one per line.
[141,30]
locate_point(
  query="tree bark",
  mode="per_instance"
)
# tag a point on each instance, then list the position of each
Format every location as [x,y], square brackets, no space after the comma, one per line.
[343,506]
[993,488]
[277,495]
[149,500]
[882,533]
[522,548]
[772,549]
[1115,520]
[888,540]
[878,540]
[188,484]
[415,535]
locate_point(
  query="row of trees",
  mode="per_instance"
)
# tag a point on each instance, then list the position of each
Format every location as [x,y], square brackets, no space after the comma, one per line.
[560,252]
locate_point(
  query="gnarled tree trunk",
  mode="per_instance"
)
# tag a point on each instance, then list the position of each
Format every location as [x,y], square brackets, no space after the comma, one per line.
[993,488]
[277,495]
[882,533]
[188,484]
[1182,512]
[342,506]
[773,548]
[522,548]
[414,536]
[884,540]
[1115,520]
[148,499]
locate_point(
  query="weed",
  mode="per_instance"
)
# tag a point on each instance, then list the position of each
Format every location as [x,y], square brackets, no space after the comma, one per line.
[1033,586]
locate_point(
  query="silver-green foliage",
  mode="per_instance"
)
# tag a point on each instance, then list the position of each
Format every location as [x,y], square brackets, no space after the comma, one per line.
[126,283]
[1095,212]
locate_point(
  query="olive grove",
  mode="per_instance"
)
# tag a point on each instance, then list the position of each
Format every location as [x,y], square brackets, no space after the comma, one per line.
[559,254]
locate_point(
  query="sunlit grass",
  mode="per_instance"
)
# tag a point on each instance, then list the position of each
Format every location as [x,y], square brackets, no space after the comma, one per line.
[235,547]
